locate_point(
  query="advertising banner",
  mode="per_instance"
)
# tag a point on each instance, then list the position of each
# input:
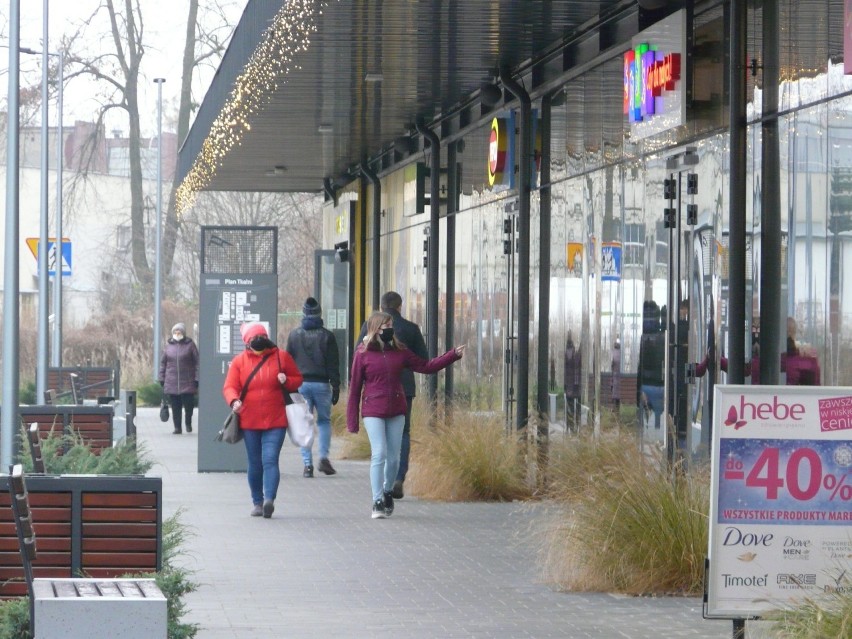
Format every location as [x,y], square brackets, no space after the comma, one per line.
[781,497]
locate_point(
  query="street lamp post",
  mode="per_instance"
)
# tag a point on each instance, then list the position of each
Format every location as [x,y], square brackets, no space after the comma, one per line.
[157,267]
[41,354]
[57,278]
[11,258]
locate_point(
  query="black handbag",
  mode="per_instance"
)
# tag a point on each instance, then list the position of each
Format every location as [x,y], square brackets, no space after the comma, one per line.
[231,433]
[164,410]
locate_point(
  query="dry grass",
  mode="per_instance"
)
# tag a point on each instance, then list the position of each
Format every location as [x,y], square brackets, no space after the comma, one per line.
[829,617]
[620,522]
[468,457]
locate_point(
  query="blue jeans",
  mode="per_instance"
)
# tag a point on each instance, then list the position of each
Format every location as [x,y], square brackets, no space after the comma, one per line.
[654,394]
[405,448]
[385,435]
[263,448]
[318,395]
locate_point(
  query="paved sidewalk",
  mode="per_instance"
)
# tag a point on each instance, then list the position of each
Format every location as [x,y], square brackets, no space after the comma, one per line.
[321,567]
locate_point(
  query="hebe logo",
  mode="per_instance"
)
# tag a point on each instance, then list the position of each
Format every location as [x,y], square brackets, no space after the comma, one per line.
[750,411]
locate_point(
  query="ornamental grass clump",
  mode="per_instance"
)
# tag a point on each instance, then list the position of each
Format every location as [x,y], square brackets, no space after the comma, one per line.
[829,617]
[620,521]
[467,457]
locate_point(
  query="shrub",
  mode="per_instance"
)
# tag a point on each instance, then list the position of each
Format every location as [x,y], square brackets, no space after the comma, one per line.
[150,394]
[467,456]
[67,454]
[827,618]
[27,394]
[621,522]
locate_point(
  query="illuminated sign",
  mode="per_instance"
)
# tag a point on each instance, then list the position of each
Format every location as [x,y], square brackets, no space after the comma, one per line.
[654,78]
[497,151]
[647,73]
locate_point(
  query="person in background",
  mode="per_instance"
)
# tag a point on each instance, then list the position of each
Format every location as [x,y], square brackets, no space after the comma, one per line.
[179,376]
[315,352]
[376,392]
[407,333]
[573,372]
[615,379]
[263,417]
[652,352]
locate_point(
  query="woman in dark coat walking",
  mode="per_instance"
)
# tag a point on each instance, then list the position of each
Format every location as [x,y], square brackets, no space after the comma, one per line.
[179,376]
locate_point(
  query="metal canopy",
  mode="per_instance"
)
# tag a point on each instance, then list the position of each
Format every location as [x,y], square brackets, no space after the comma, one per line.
[371,69]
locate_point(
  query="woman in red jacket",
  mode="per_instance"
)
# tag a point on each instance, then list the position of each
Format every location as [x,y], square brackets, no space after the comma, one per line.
[376,373]
[262,414]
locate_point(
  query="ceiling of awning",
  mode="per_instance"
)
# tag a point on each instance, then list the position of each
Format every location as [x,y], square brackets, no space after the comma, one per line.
[371,69]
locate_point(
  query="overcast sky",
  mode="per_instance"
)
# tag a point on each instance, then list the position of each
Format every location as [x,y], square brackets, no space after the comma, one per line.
[164,23]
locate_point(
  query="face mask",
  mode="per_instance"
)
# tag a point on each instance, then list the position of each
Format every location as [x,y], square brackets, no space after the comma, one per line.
[260,343]
[386,335]
[177,336]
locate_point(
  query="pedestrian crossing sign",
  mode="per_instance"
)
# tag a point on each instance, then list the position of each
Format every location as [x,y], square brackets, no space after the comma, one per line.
[33,243]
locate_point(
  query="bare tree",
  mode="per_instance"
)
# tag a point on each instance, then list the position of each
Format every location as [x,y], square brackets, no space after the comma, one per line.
[117,72]
[299,221]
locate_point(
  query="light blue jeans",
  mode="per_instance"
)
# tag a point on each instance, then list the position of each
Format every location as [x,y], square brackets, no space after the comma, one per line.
[385,435]
[318,395]
[263,448]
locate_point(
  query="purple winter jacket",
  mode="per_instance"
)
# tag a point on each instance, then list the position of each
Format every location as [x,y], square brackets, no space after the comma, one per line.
[378,374]
[179,367]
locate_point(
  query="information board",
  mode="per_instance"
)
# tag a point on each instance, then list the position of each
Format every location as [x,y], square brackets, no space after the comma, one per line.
[781,497]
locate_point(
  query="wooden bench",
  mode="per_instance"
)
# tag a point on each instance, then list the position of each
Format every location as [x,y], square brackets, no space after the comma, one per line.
[78,383]
[81,607]
[101,526]
[34,441]
[93,424]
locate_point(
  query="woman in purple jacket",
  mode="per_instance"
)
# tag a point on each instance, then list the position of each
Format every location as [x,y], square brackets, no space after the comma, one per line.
[179,375]
[376,374]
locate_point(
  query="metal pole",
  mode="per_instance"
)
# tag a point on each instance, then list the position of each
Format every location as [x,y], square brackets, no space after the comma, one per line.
[11,261]
[433,254]
[367,172]
[43,283]
[770,208]
[57,279]
[737,185]
[524,178]
[157,269]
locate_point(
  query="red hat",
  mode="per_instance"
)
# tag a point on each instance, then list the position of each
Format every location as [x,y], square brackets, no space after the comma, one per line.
[251,330]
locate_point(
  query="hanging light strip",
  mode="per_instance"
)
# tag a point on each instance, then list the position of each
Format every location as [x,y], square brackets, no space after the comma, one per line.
[288,35]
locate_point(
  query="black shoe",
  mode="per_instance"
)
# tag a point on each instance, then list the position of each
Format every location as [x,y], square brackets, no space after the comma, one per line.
[388,501]
[379,509]
[308,472]
[326,467]
[189,428]
[176,431]
[268,508]
[397,489]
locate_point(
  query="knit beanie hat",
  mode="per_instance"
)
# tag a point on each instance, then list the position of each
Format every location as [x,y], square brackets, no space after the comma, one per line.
[251,330]
[179,327]
[311,307]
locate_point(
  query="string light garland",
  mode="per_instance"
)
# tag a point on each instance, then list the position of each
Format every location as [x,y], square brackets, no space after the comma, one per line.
[288,35]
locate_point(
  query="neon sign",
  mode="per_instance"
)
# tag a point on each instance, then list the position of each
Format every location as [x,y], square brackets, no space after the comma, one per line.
[497,151]
[647,73]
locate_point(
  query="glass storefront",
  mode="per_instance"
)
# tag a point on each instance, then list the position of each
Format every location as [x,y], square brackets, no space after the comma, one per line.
[611,250]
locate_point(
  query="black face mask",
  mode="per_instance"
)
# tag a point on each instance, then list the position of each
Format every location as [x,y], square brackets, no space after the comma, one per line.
[260,343]
[386,335]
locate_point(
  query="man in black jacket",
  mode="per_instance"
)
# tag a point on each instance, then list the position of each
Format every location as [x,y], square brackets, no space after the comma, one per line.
[314,349]
[409,334]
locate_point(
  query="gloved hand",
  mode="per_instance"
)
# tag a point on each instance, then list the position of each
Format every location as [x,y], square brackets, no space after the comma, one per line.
[335,396]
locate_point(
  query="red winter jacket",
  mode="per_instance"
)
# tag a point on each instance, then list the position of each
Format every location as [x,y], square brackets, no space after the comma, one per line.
[377,373]
[263,406]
